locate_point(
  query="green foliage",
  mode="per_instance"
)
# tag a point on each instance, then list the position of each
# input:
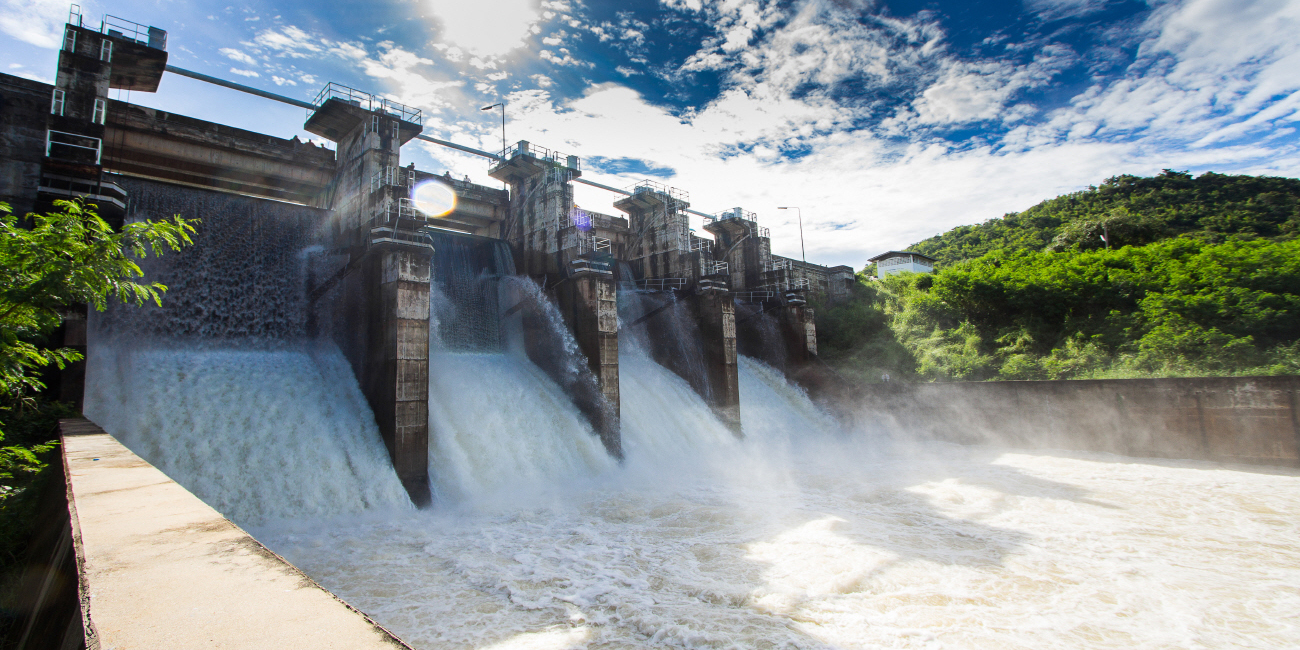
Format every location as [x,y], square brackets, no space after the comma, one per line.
[48,263]
[1202,278]
[1211,207]
[66,258]
[855,335]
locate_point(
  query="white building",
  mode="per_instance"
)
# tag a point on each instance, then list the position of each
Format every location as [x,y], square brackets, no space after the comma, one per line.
[902,261]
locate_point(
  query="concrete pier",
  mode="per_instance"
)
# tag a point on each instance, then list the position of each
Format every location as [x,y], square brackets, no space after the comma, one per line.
[716,314]
[800,331]
[395,374]
[589,302]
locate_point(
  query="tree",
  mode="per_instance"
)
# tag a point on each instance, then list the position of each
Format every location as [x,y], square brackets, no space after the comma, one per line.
[66,258]
[48,263]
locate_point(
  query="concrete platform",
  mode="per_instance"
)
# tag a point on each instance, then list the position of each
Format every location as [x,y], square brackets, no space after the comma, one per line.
[158,568]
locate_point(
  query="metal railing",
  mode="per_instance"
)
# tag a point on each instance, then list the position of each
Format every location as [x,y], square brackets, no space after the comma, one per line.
[734,213]
[762,231]
[386,234]
[68,140]
[601,244]
[406,210]
[778,265]
[717,268]
[390,176]
[133,31]
[700,244]
[525,148]
[366,101]
[755,296]
[661,284]
[654,186]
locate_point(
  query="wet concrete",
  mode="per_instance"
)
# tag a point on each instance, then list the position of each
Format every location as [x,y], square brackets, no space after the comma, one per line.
[158,568]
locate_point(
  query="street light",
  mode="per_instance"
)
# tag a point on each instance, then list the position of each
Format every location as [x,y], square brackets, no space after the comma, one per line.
[503,123]
[801,248]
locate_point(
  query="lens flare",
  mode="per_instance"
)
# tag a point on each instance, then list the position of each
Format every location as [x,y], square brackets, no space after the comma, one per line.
[434,198]
[580,218]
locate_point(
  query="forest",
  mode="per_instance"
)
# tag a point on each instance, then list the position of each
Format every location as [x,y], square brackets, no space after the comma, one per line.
[1164,276]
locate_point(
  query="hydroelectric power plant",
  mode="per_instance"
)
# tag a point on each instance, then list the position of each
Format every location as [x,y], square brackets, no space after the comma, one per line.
[486,418]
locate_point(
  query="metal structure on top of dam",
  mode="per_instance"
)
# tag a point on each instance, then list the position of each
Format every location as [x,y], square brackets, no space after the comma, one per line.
[377,252]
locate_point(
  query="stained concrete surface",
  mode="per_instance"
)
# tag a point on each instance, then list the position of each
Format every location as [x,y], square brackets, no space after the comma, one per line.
[161,569]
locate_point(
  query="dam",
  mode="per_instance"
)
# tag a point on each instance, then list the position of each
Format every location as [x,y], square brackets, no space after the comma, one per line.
[487,418]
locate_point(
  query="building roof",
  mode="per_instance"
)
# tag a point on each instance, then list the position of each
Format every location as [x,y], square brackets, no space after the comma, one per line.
[897,253]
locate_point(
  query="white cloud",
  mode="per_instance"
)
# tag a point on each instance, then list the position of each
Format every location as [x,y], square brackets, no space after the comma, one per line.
[1057,9]
[237,56]
[39,22]
[244,73]
[485,27]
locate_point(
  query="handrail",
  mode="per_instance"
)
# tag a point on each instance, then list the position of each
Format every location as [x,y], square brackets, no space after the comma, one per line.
[661,284]
[367,101]
[648,185]
[525,148]
[123,28]
[98,147]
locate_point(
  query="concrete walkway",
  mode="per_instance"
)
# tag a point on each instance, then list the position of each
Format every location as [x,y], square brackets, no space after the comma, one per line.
[161,569]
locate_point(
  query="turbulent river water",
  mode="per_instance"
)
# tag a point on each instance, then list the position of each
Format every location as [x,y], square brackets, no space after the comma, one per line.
[801,536]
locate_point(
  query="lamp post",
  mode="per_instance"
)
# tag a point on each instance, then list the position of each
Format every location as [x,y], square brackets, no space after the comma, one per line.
[801,248]
[503,123]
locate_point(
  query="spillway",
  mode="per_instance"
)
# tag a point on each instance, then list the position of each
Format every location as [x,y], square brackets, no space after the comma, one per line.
[257,434]
[802,535]
[824,540]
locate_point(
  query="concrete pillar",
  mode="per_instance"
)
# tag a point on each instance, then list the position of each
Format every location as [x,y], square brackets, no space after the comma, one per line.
[589,302]
[716,313]
[396,371]
[800,331]
[72,379]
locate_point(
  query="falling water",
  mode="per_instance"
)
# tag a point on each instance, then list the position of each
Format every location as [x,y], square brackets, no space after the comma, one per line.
[501,428]
[827,541]
[662,323]
[758,334]
[801,536]
[219,388]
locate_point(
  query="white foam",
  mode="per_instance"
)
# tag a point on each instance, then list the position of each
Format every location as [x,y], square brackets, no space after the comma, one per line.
[501,430]
[258,435]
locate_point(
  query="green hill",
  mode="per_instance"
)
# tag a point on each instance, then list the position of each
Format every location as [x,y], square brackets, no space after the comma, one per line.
[1135,210]
[1202,277]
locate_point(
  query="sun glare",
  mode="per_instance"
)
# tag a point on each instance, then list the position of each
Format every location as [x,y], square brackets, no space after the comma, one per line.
[434,198]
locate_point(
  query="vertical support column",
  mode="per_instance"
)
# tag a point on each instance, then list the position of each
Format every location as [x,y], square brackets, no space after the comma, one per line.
[397,368]
[800,329]
[589,302]
[716,313]
[72,379]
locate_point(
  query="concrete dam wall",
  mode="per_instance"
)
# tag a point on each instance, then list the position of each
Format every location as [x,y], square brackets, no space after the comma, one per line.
[1237,419]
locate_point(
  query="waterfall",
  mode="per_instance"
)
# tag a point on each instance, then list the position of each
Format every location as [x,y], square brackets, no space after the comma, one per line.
[257,434]
[759,333]
[664,419]
[663,324]
[503,428]
[467,272]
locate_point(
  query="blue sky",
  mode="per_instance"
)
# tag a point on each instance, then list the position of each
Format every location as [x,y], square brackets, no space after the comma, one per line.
[886,122]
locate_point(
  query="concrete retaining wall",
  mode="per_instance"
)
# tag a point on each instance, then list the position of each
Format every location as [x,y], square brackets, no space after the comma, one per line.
[157,568]
[1240,419]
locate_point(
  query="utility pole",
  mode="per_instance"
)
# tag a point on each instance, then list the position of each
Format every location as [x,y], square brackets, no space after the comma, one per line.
[503,123]
[802,250]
